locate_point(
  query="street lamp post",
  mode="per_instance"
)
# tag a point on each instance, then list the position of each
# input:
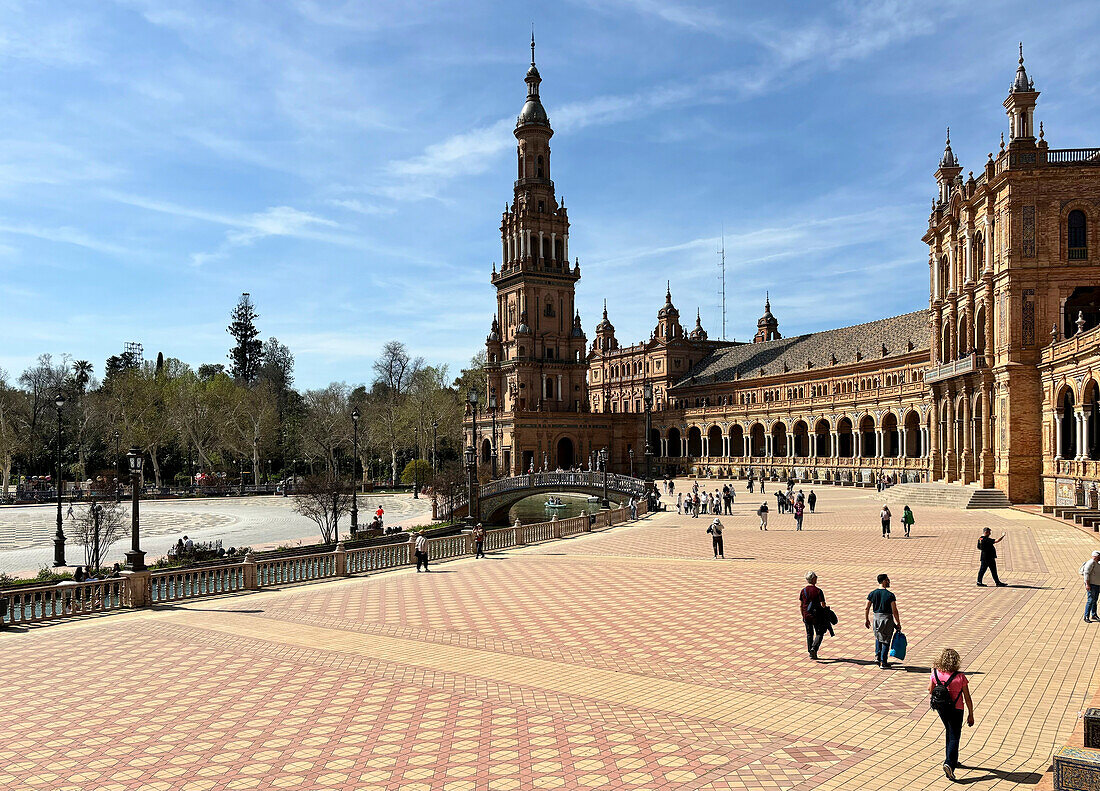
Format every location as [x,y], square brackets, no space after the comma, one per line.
[240,486]
[472,398]
[135,558]
[97,511]
[647,399]
[603,463]
[59,536]
[118,473]
[493,412]
[416,463]
[435,427]
[354,464]
[630,453]
[471,475]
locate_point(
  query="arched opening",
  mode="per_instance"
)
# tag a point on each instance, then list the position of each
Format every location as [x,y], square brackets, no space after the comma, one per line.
[890,437]
[675,445]
[845,444]
[945,345]
[867,445]
[714,442]
[964,335]
[911,442]
[566,457]
[737,441]
[757,444]
[486,451]
[944,275]
[1084,301]
[779,440]
[979,331]
[978,258]
[538,167]
[1077,235]
[1091,407]
[823,440]
[1068,444]
[695,442]
[800,436]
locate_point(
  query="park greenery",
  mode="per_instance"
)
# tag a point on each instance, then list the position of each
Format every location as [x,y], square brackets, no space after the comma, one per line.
[245,423]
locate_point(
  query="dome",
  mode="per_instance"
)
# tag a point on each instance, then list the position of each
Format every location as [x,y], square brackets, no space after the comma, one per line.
[698,334]
[532,113]
[1022,83]
[669,310]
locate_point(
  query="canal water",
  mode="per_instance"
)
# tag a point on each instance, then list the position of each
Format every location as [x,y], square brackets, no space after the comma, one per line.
[533,509]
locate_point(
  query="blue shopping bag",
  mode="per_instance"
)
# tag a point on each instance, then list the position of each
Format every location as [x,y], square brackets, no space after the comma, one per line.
[898,645]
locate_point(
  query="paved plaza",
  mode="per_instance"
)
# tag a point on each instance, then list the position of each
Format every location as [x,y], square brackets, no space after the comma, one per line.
[628,659]
[26,532]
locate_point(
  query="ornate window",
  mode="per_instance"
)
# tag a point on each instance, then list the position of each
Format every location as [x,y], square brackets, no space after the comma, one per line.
[1077,237]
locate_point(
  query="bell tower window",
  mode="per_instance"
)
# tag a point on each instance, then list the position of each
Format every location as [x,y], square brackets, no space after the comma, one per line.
[538,168]
[1076,228]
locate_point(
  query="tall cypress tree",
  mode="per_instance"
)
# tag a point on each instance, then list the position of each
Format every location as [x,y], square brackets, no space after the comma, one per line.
[247,354]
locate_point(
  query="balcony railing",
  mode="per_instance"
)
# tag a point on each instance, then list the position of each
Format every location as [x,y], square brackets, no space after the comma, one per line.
[1073,156]
[964,365]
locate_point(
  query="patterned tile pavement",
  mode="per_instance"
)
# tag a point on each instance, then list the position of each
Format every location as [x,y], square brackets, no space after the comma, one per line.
[628,659]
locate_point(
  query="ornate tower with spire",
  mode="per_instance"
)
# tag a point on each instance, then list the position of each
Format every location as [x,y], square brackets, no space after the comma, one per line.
[540,365]
[767,327]
[1020,106]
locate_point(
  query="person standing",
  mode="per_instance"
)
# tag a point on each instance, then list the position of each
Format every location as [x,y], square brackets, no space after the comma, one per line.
[907,520]
[882,603]
[987,548]
[750,484]
[731,498]
[421,552]
[811,499]
[715,531]
[811,601]
[680,503]
[479,541]
[633,507]
[762,512]
[949,691]
[799,510]
[1090,571]
[884,515]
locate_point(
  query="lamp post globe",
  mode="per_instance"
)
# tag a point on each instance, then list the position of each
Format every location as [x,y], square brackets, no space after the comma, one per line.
[59,536]
[355,471]
[135,558]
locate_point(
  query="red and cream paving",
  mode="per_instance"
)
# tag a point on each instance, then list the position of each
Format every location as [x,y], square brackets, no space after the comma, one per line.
[628,659]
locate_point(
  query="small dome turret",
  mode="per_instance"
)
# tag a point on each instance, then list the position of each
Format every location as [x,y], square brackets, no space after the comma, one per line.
[698,334]
[1022,84]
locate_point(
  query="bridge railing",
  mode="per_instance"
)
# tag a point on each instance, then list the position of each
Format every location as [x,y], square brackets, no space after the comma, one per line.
[32,604]
[620,484]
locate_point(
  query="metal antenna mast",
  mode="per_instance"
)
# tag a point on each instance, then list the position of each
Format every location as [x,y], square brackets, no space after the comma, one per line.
[722,269]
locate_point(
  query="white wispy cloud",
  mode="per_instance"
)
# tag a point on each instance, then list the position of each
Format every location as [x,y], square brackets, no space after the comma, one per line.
[62,235]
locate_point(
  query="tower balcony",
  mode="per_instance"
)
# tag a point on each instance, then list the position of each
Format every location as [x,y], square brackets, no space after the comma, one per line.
[964,365]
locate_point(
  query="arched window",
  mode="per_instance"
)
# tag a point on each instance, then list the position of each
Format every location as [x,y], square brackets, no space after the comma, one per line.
[538,168]
[1076,235]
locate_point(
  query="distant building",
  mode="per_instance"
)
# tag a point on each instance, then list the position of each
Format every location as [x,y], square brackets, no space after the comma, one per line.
[996,382]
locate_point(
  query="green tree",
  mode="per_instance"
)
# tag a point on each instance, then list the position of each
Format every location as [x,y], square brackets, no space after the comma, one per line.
[394,372]
[417,471]
[247,352]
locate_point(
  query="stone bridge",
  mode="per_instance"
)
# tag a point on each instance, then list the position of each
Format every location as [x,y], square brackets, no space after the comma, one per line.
[496,497]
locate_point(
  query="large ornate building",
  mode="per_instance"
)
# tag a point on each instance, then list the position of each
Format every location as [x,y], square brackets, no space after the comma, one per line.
[992,383]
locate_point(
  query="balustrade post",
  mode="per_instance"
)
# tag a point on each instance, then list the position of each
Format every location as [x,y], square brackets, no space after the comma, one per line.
[248,567]
[341,556]
[138,588]
[520,533]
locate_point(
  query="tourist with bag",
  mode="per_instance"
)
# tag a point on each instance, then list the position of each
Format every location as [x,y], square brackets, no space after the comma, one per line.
[884,515]
[949,691]
[907,520]
[715,531]
[886,619]
[762,512]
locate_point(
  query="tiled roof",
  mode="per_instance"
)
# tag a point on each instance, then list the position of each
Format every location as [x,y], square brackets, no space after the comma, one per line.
[745,361]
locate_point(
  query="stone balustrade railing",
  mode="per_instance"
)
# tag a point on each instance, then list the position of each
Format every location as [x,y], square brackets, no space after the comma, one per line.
[33,604]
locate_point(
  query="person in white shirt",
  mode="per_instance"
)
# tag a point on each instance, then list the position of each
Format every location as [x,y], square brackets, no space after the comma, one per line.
[421,552]
[1090,572]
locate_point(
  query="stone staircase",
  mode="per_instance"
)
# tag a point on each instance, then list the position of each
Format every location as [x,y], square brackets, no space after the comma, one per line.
[945,495]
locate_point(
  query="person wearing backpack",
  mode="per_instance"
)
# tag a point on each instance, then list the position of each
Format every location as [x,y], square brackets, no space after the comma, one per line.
[948,692]
[715,531]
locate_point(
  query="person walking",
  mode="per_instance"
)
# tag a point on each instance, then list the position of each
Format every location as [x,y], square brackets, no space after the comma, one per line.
[884,515]
[633,507]
[882,603]
[949,691]
[907,520]
[811,500]
[680,503]
[1090,571]
[715,531]
[799,510]
[479,541]
[750,484]
[811,602]
[988,549]
[762,512]
[421,552]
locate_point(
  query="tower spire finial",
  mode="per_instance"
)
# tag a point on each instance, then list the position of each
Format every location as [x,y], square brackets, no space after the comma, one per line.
[605,308]
[1021,51]
[767,301]
[533,44]
[668,290]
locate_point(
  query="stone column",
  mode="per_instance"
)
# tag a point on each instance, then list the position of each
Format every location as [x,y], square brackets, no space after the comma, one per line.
[705,442]
[966,469]
[950,469]
[834,443]
[560,398]
[1080,415]
[1058,449]
[747,439]
[856,443]
[769,443]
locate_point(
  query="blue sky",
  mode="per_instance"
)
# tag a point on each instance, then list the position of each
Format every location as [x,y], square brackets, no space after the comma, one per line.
[347,162]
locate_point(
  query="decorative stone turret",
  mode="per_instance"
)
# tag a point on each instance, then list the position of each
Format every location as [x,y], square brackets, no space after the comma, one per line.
[767,327]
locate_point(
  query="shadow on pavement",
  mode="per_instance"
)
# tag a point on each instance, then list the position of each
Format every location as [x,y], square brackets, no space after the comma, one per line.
[1024,778]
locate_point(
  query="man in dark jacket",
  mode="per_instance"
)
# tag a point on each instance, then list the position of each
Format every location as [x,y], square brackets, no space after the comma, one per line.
[815,614]
[988,550]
